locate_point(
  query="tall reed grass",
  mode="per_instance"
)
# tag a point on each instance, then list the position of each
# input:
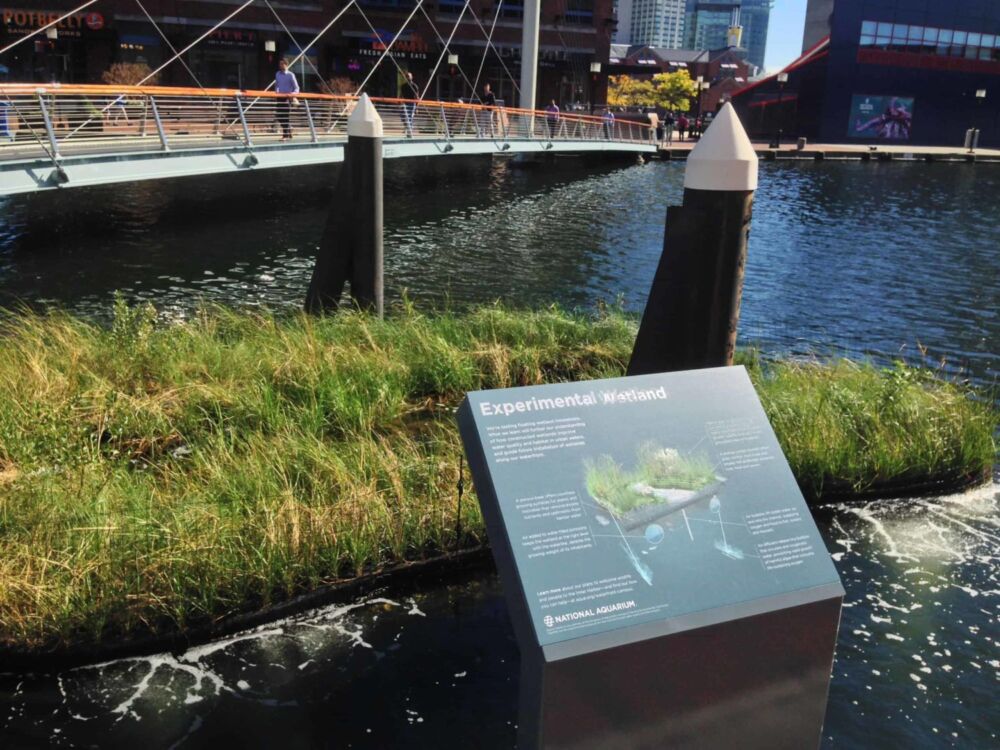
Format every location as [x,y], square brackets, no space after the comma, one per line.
[158,477]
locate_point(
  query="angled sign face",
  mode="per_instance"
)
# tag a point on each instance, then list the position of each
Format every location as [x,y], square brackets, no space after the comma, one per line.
[624,509]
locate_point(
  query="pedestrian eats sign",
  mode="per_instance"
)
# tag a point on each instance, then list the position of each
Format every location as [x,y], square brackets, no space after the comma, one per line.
[639,502]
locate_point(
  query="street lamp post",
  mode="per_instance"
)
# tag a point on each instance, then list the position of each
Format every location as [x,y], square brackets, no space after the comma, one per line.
[595,72]
[782,79]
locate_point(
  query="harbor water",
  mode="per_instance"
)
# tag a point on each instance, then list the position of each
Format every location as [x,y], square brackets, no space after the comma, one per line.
[881,260]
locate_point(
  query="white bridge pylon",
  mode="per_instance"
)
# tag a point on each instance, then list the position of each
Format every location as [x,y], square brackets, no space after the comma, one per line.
[58,137]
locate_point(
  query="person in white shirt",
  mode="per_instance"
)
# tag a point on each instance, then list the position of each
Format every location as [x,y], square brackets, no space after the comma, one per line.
[287,86]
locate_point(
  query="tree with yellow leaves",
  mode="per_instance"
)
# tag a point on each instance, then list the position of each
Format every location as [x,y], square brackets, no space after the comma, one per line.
[664,91]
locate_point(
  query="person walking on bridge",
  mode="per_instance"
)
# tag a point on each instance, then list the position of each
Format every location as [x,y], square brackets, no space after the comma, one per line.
[552,118]
[489,101]
[609,123]
[286,86]
[411,93]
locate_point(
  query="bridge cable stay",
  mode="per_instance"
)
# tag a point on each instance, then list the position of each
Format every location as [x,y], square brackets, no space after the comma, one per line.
[294,41]
[50,153]
[49,25]
[445,50]
[197,41]
[305,50]
[388,48]
[378,36]
[486,50]
[442,41]
[156,72]
[489,42]
[169,44]
[299,47]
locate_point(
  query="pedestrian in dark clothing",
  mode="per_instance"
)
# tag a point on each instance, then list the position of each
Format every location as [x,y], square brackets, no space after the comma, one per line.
[682,125]
[489,100]
[286,86]
[669,123]
[410,93]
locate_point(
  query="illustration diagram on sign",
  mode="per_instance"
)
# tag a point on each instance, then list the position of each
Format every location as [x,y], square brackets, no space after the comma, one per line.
[638,501]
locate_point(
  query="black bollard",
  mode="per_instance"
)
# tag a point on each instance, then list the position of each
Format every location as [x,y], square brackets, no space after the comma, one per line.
[693,309]
[351,247]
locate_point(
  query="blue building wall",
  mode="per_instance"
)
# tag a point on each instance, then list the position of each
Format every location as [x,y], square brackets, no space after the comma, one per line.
[902,52]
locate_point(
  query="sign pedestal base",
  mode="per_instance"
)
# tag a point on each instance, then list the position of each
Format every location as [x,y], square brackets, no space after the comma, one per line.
[756,682]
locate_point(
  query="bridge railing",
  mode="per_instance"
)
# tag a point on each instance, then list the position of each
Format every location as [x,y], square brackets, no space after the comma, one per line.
[53,121]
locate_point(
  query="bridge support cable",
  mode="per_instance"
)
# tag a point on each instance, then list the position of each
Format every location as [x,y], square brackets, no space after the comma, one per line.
[49,25]
[52,155]
[490,45]
[486,50]
[303,50]
[296,42]
[196,42]
[389,47]
[160,69]
[445,50]
[378,36]
[442,41]
[169,44]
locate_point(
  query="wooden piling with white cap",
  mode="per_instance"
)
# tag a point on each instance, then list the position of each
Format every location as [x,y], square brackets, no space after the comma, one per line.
[351,249]
[693,309]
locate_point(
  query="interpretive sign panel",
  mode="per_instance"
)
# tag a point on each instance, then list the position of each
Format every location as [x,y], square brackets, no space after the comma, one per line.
[629,501]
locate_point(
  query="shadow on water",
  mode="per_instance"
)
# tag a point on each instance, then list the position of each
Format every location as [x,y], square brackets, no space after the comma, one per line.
[251,239]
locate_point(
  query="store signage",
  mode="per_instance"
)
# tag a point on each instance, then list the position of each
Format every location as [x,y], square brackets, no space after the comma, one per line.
[236,38]
[642,502]
[19,21]
[408,46]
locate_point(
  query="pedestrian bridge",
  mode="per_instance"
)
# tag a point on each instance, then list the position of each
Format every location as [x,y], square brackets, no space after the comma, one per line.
[58,137]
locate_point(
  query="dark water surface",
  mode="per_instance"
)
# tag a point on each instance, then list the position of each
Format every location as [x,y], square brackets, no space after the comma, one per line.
[844,258]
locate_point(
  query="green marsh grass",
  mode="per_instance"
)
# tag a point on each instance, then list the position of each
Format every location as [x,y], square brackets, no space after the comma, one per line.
[159,477]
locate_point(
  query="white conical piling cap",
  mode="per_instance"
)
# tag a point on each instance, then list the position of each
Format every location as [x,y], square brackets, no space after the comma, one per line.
[364,120]
[724,158]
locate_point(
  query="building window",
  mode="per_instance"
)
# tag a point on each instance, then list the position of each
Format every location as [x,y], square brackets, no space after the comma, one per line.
[512,9]
[580,11]
[898,37]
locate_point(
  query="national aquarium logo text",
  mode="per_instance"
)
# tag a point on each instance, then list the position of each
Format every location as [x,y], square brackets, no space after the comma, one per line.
[582,614]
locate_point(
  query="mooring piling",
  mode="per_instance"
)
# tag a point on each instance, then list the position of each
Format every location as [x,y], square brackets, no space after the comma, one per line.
[693,308]
[351,248]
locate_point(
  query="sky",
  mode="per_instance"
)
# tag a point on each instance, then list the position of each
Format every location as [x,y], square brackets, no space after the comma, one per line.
[784,36]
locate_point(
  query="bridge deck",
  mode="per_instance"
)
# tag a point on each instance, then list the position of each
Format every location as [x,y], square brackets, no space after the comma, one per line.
[59,137]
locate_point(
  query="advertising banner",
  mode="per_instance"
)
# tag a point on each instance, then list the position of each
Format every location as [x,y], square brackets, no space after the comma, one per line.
[887,118]
[637,501]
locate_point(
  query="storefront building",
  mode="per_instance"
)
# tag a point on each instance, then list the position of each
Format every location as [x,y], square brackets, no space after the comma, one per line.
[891,71]
[575,34]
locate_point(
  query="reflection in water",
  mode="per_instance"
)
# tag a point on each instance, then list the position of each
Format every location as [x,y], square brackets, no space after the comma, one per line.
[846,257]
[843,257]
